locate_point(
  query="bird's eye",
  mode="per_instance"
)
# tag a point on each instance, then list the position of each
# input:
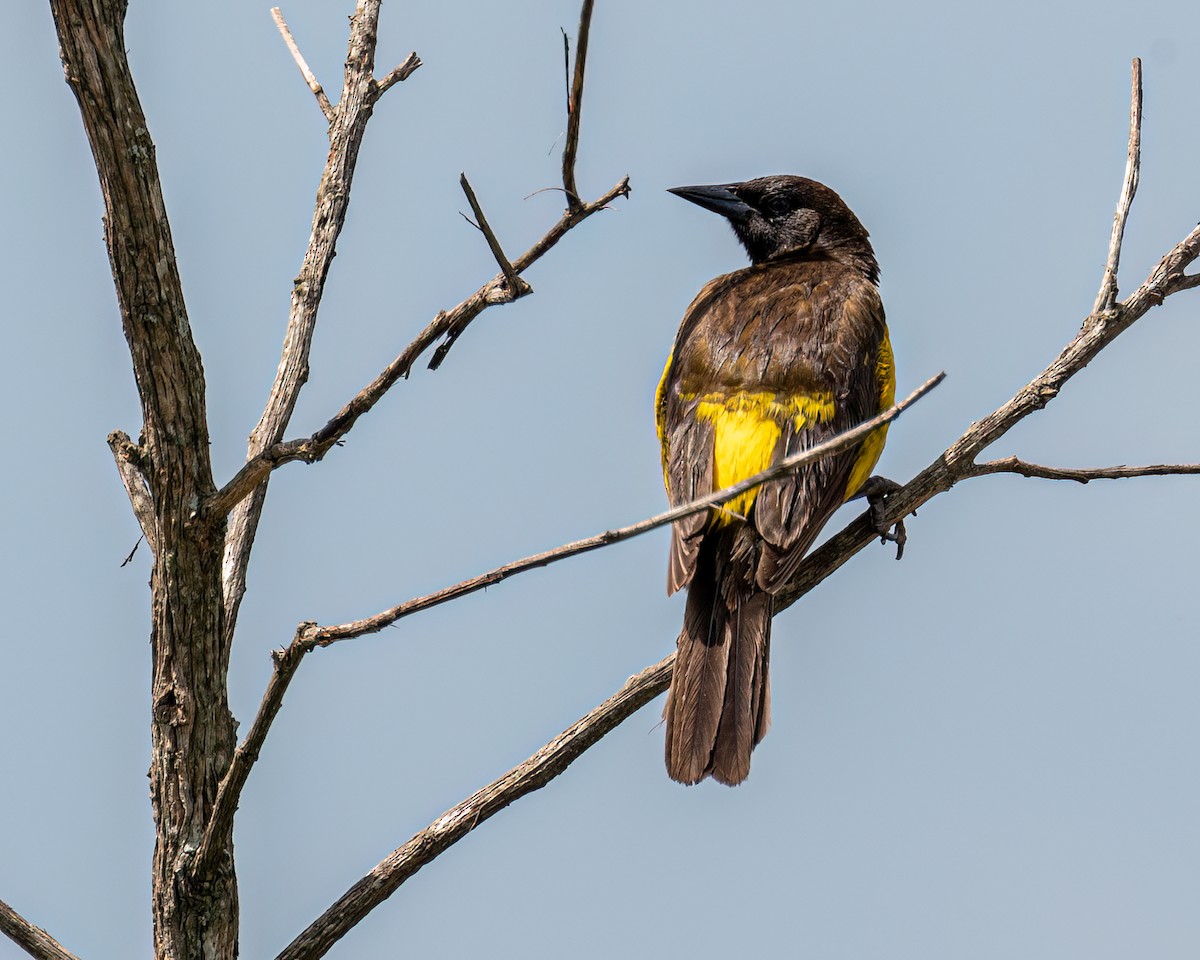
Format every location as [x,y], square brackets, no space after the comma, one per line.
[775,206]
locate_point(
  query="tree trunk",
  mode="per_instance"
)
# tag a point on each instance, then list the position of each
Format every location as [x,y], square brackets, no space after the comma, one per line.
[195,918]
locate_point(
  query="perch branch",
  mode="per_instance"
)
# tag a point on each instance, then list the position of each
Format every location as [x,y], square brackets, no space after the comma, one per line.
[309,635]
[309,78]
[33,940]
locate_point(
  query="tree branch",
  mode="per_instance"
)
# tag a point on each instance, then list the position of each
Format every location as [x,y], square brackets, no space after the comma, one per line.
[1122,472]
[402,72]
[33,940]
[346,130]
[517,287]
[129,458]
[1108,283]
[575,105]
[539,770]
[309,78]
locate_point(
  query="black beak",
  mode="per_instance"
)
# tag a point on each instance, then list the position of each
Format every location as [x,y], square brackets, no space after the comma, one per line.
[719,198]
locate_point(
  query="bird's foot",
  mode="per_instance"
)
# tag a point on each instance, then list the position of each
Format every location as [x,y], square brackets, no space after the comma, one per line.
[876,491]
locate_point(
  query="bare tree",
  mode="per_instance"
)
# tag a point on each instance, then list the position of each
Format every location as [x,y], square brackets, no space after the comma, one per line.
[201,533]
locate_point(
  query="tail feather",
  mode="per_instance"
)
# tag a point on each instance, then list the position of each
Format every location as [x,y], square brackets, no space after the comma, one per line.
[749,628]
[718,708]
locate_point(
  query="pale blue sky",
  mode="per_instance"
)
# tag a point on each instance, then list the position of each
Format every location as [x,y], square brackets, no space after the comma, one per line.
[987,750]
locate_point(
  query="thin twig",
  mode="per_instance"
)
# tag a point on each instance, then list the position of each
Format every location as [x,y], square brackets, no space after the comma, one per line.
[1084,475]
[539,770]
[398,74]
[1185,281]
[33,940]
[129,557]
[517,287]
[309,78]
[575,105]
[1133,164]
[229,792]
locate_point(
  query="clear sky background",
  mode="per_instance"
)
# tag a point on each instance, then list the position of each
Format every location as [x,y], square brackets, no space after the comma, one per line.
[988,750]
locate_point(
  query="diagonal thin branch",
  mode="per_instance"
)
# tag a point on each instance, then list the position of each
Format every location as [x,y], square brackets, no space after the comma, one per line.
[575,104]
[1133,164]
[517,287]
[448,324]
[539,770]
[309,78]
[33,940]
[309,636]
[1085,475]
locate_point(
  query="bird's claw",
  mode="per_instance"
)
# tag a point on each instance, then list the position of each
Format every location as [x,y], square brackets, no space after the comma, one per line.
[876,491]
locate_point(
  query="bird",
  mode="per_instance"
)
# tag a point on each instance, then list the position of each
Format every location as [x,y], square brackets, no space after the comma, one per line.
[769,360]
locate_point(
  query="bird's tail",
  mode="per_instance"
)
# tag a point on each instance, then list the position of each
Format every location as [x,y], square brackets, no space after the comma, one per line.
[719,706]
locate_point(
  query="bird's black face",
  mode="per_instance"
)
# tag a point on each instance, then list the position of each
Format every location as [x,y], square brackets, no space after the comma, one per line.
[786,216]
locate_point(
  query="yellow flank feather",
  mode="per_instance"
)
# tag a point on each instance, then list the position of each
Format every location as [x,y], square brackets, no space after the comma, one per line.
[660,419]
[746,430]
[872,447]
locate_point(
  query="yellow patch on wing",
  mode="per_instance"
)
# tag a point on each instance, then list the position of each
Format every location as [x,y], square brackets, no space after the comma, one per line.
[746,431]
[872,447]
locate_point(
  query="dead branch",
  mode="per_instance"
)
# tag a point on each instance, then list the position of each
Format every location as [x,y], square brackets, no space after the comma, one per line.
[1122,472]
[575,104]
[33,940]
[129,458]
[402,72]
[305,72]
[1133,164]
[517,287]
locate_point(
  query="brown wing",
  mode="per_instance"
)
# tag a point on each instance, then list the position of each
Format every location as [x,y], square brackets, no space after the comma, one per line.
[790,513]
[687,443]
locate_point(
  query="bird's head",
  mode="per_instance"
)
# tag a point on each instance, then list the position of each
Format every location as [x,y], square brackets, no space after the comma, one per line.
[786,216]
